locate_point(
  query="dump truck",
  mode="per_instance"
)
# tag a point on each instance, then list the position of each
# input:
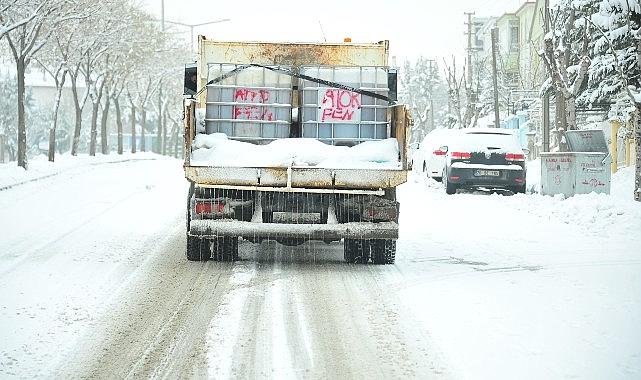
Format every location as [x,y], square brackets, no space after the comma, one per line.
[293,142]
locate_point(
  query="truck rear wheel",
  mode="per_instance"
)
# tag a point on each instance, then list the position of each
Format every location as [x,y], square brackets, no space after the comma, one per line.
[225,249]
[198,249]
[356,251]
[383,251]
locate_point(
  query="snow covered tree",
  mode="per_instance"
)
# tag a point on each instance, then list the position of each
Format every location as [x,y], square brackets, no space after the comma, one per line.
[421,88]
[53,59]
[566,56]
[8,116]
[485,87]
[29,24]
[616,72]
[11,18]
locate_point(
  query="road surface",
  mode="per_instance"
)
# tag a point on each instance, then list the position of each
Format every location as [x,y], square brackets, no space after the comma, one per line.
[94,283]
[108,293]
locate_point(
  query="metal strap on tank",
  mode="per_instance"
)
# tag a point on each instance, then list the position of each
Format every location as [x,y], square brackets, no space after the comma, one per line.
[297,75]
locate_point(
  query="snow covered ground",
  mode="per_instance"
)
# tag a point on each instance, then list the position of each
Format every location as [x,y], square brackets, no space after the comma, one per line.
[71,234]
[93,282]
[528,286]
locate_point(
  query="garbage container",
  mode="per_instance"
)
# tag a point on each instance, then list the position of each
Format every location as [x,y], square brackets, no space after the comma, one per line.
[585,169]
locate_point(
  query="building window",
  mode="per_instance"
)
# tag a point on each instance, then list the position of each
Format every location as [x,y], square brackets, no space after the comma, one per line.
[514,36]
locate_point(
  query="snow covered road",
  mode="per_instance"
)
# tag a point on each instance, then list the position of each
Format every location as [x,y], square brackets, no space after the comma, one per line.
[94,283]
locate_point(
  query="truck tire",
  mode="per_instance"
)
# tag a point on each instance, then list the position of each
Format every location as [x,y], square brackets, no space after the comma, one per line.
[198,249]
[225,249]
[356,251]
[383,251]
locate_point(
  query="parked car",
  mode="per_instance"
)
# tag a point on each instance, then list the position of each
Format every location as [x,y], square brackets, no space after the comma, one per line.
[430,157]
[484,158]
[413,154]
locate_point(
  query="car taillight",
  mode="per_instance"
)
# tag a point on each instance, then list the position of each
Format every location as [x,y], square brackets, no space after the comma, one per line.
[209,207]
[519,180]
[439,153]
[461,155]
[515,157]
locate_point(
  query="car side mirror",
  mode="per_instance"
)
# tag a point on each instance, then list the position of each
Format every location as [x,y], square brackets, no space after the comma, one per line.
[443,149]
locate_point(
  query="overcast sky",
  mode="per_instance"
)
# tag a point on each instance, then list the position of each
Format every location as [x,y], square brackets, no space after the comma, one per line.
[413,27]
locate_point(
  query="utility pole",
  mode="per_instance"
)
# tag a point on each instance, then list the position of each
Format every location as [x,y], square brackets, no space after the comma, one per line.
[546,96]
[162,14]
[1,149]
[470,107]
[432,115]
[497,118]
[469,47]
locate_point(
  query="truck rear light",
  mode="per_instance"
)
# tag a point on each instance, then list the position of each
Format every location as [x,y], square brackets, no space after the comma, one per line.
[455,177]
[439,153]
[515,157]
[519,180]
[210,207]
[461,155]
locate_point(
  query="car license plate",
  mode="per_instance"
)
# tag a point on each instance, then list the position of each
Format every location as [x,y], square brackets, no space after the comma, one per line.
[487,173]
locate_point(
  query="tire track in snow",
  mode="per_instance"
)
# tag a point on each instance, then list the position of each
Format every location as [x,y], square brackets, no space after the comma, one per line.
[224,329]
[156,325]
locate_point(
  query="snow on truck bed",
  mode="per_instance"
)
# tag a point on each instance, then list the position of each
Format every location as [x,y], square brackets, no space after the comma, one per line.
[217,150]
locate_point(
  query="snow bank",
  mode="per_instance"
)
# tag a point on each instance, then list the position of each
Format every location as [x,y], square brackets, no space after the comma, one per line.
[622,185]
[217,150]
[533,180]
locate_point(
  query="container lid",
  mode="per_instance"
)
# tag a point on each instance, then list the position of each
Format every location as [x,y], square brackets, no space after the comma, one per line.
[589,140]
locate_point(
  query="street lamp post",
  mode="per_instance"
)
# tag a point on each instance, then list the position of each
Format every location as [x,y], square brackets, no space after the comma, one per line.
[192,26]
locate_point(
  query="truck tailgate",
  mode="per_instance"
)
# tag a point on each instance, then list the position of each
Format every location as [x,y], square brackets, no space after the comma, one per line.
[313,178]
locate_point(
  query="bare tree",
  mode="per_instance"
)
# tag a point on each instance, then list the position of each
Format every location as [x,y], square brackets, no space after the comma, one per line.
[454,84]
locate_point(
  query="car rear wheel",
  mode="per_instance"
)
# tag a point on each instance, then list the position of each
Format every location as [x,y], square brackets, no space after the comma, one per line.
[450,188]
